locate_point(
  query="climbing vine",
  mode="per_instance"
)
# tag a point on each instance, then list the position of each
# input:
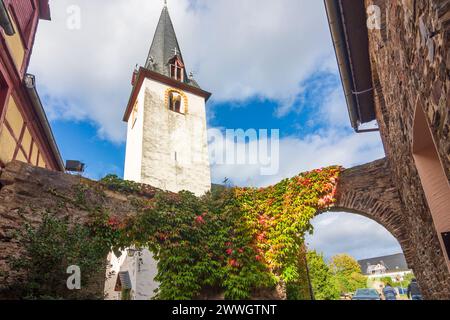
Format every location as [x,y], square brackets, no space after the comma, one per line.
[238,239]
[235,239]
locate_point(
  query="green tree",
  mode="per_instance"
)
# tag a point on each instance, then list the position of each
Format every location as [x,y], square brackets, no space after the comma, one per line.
[50,249]
[347,273]
[323,281]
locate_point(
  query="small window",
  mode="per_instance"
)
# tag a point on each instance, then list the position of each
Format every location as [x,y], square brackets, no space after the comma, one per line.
[176,69]
[175,102]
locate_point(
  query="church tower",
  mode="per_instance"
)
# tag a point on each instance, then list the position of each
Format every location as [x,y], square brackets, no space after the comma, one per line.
[167,143]
[167,147]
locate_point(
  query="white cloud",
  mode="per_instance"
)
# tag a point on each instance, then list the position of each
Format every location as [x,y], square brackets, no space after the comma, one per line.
[239,49]
[340,232]
[333,112]
[332,144]
[324,148]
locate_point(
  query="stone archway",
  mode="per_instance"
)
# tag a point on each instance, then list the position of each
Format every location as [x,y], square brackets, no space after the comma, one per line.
[367,190]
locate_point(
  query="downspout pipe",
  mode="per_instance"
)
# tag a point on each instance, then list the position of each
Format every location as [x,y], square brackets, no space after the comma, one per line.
[5,21]
[335,22]
[30,84]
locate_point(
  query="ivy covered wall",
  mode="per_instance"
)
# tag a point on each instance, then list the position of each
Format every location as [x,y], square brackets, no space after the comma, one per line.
[238,240]
[233,243]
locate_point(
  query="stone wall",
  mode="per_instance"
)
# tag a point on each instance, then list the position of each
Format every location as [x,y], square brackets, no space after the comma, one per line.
[410,64]
[28,193]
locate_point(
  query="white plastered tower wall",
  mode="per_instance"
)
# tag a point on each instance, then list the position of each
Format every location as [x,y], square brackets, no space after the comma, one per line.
[175,145]
[166,149]
[135,131]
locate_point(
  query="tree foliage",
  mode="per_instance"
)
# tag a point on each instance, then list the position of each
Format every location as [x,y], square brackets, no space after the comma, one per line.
[323,281]
[348,273]
[54,246]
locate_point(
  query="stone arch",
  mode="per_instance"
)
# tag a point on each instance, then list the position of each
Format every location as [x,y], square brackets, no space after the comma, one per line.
[373,209]
[368,191]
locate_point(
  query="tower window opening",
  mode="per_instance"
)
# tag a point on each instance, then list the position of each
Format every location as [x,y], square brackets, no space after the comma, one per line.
[175,102]
[176,69]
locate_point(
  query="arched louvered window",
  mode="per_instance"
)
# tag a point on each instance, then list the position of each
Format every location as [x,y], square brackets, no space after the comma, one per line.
[176,102]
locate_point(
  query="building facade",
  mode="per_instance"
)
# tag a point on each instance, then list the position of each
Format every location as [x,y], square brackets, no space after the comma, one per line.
[394,60]
[167,146]
[25,133]
[389,266]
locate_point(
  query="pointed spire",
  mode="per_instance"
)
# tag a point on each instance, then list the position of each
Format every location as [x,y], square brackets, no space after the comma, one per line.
[164,46]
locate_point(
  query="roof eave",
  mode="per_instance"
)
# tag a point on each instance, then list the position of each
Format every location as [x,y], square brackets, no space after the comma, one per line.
[30,85]
[354,70]
[335,24]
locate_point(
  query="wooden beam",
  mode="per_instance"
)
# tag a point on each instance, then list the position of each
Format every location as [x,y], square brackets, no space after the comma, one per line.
[17,140]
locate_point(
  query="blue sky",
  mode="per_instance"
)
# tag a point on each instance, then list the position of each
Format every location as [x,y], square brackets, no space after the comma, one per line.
[270,68]
[259,112]
[79,141]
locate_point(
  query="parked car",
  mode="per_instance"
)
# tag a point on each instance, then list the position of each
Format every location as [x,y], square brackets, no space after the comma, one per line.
[366,294]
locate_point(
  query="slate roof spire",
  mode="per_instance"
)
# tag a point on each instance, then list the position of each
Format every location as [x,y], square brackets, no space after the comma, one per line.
[164,47]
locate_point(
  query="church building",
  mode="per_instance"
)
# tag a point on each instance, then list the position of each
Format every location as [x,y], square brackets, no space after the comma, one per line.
[167,147]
